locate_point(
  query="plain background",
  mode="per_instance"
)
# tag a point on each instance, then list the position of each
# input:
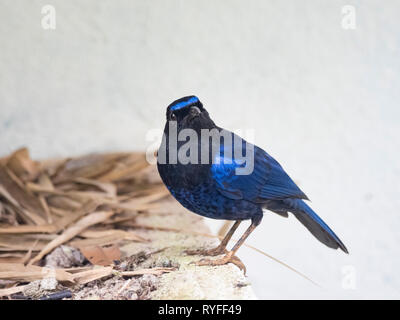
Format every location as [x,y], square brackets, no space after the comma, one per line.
[323,100]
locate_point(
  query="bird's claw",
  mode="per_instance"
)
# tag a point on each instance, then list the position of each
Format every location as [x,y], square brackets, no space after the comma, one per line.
[228,258]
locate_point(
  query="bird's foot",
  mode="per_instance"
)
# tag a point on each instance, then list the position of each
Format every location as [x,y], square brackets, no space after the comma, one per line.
[228,258]
[210,252]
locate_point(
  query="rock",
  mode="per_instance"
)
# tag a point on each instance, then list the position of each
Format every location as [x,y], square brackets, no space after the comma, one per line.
[40,288]
[210,283]
[64,257]
[32,290]
[48,284]
[138,288]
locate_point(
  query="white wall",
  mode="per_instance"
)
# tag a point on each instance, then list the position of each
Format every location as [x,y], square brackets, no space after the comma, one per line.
[321,99]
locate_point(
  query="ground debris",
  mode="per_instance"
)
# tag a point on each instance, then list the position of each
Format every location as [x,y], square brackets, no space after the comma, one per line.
[40,288]
[131,263]
[97,227]
[65,257]
[117,288]
[149,260]
[62,223]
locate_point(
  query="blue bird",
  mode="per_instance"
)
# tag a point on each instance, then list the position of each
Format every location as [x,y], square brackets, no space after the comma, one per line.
[216,188]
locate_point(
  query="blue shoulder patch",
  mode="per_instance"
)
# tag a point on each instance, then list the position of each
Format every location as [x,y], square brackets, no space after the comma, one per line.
[223,173]
[268,181]
[183,104]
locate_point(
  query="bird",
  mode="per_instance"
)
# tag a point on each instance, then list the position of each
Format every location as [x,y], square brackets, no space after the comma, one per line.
[214,189]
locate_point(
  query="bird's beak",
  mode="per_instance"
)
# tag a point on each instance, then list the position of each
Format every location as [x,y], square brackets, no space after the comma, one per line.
[194,112]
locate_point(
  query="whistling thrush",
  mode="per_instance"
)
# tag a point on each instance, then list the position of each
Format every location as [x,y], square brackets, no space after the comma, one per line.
[201,172]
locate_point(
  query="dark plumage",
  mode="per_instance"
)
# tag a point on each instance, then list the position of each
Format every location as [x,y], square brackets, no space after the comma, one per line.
[214,190]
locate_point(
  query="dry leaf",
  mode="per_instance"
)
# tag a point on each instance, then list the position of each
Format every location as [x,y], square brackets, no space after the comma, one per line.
[59,212]
[102,256]
[109,188]
[28,255]
[12,290]
[72,231]
[91,275]
[22,165]
[29,229]
[83,210]
[46,209]
[52,166]
[13,190]
[10,259]
[20,272]
[88,166]
[125,171]
[77,269]
[126,235]
[34,187]
[63,202]
[20,243]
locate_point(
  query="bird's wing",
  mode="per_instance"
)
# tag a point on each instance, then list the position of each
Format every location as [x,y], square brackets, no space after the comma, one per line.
[267,181]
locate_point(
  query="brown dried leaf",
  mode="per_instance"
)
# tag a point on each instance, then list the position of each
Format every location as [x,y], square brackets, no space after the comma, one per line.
[95,241]
[34,187]
[12,290]
[88,195]
[8,215]
[20,242]
[44,181]
[91,275]
[109,188]
[46,209]
[117,173]
[29,229]
[22,165]
[11,255]
[127,215]
[52,166]
[108,237]
[112,232]
[83,210]
[11,259]
[77,269]
[59,212]
[102,256]
[20,272]
[72,231]
[135,202]
[88,166]
[13,190]
[63,202]
[28,255]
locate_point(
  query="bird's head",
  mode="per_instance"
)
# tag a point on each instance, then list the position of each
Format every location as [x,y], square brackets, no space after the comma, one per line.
[189,112]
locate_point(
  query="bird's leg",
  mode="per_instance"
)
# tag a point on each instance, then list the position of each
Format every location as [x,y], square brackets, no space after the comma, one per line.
[221,247]
[230,256]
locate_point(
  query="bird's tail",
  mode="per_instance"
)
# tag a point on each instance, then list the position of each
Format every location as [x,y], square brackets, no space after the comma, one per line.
[315,224]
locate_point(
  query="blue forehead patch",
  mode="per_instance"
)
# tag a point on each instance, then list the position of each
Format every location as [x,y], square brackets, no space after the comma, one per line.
[183,104]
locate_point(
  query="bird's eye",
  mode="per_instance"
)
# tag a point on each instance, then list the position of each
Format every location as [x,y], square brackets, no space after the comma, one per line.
[173,116]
